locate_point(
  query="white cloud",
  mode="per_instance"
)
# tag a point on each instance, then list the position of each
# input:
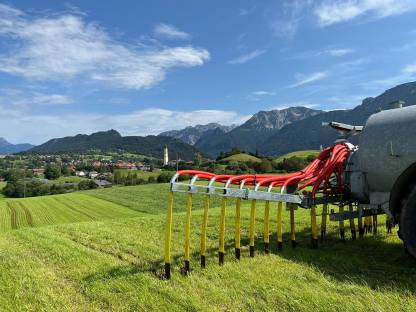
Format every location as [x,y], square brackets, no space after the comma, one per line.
[51,99]
[247,57]
[407,74]
[335,52]
[338,52]
[170,32]
[60,47]
[264,93]
[19,126]
[337,11]
[410,69]
[302,79]
[286,25]
[293,104]
[25,99]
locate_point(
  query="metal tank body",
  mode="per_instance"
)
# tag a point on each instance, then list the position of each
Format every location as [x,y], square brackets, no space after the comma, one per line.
[387,147]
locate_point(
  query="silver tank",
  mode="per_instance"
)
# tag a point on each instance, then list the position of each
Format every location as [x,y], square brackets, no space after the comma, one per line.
[387,147]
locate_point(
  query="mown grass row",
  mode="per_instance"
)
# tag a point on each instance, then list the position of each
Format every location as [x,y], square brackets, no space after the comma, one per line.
[49,210]
[150,198]
[114,265]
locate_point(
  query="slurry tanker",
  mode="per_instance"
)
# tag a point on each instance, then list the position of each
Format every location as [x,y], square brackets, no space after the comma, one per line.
[377,176]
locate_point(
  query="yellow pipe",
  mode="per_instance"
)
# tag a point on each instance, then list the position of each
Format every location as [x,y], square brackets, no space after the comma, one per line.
[360,227]
[237,228]
[168,234]
[279,226]
[252,225]
[375,224]
[314,233]
[188,232]
[292,224]
[341,224]
[324,218]
[352,224]
[389,224]
[221,249]
[266,232]
[204,230]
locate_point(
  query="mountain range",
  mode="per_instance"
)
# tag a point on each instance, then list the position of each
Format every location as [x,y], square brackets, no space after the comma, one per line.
[7,148]
[277,132]
[192,134]
[271,133]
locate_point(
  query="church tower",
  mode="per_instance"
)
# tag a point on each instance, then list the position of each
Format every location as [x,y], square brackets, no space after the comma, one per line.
[165,156]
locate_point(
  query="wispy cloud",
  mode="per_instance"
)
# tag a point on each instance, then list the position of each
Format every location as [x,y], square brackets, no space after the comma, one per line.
[170,32]
[140,122]
[51,99]
[406,74]
[293,104]
[258,95]
[286,25]
[334,11]
[247,57]
[303,79]
[24,99]
[263,93]
[58,47]
[335,52]
[338,52]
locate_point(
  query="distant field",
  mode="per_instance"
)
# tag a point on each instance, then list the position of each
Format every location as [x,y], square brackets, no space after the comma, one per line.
[63,179]
[301,154]
[242,157]
[141,174]
[56,209]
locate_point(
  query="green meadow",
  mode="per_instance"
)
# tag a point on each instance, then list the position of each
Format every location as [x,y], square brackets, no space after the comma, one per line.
[102,250]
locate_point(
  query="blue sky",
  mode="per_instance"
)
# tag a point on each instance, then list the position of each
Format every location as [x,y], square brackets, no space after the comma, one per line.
[143,67]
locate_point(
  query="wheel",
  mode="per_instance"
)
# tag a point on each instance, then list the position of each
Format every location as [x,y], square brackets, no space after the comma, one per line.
[407,230]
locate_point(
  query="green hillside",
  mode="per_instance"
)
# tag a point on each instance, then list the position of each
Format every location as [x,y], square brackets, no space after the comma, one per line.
[112,141]
[301,154]
[242,157]
[56,209]
[114,265]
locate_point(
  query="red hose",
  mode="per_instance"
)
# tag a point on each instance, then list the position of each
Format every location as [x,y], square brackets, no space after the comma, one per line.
[331,161]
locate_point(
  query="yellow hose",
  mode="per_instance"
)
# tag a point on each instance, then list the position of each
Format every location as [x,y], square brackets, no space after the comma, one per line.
[352,224]
[292,224]
[314,233]
[324,218]
[279,226]
[341,223]
[237,234]
[252,225]
[204,230]
[188,231]
[168,234]
[266,232]
[221,249]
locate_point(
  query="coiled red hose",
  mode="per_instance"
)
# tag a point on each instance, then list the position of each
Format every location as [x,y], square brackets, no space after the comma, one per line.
[329,163]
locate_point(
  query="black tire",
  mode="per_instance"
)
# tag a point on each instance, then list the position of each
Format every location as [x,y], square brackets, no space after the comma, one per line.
[407,230]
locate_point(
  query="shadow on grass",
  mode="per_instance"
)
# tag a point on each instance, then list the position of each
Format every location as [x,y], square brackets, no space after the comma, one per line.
[371,261]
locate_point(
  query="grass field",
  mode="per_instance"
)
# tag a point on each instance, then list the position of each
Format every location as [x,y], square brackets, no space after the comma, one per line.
[301,154]
[114,264]
[63,179]
[56,209]
[242,157]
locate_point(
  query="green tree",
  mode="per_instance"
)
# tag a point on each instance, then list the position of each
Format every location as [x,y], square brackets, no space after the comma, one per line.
[52,171]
